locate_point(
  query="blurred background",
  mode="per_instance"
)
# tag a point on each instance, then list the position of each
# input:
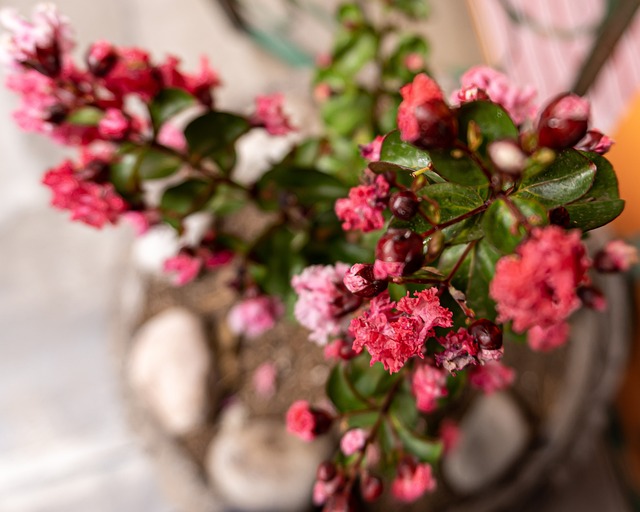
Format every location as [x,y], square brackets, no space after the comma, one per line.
[64,440]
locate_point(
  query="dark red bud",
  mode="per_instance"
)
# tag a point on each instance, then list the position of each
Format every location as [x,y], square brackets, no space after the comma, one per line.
[56,114]
[592,298]
[326,471]
[437,125]
[404,204]
[371,487]
[401,246]
[563,122]
[560,217]
[406,466]
[360,281]
[97,171]
[323,421]
[486,334]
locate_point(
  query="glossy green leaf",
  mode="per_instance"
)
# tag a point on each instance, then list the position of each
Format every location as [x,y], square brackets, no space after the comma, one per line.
[424,448]
[492,120]
[602,203]
[213,135]
[567,179]
[168,103]
[458,168]
[401,171]
[186,197]
[155,164]
[399,152]
[501,226]
[342,393]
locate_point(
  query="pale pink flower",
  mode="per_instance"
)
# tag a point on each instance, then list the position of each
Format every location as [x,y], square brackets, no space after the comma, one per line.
[362,210]
[172,137]
[270,115]
[517,101]
[254,316]
[414,62]
[184,266]
[412,481]
[617,256]
[537,285]
[42,44]
[394,332]
[323,301]
[595,141]
[353,441]
[264,379]
[114,125]
[428,384]
[491,377]
[547,338]
[422,90]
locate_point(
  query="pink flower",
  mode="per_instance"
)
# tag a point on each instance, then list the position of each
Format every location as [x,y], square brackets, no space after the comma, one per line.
[353,441]
[414,62]
[95,204]
[264,379]
[42,44]
[185,266]
[595,141]
[412,481]
[428,384]
[372,150]
[537,285]
[337,350]
[394,332]
[360,281]
[449,434]
[214,259]
[133,73]
[141,221]
[114,125]
[323,301]
[270,115]
[172,137]
[305,422]
[255,315]
[617,256]
[363,208]
[422,90]
[544,339]
[491,377]
[518,102]
[460,350]
[199,85]
[101,58]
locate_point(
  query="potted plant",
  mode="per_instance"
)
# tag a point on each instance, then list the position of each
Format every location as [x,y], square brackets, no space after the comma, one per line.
[461,239]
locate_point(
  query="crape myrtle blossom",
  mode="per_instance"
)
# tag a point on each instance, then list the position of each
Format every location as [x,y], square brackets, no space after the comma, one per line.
[270,115]
[254,316]
[362,209]
[537,285]
[422,90]
[353,441]
[428,384]
[393,332]
[617,256]
[491,377]
[412,480]
[189,262]
[307,422]
[372,150]
[323,301]
[517,101]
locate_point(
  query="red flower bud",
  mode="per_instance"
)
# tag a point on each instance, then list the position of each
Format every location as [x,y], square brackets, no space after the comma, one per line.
[101,58]
[486,334]
[399,252]
[360,281]
[563,122]
[592,298]
[560,217]
[371,487]
[437,125]
[404,204]
[326,471]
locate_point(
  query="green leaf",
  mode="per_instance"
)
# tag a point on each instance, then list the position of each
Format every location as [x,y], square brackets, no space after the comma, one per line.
[458,168]
[403,408]
[492,120]
[418,9]
[226,200]
[424,448]
[342,393]
[186,197]
[396,68]
[308,186]
[347,113]
[355,51]
[602,203]
[142,163]
[167,104]
[567,179]
[213,135]
[86,116]
[501,226]
[369,381]
[382,167]
[155,164]
[399,152]
[363,419]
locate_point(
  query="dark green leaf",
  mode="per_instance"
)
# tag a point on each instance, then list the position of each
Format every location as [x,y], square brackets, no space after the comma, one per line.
[418,9]
[85,116]
[602,203]
[358,49]
[458,168]
[155,164]
[492,120]
[369,381]
[186,197]
[382,167]
[168,103]
[342,393]
[425,449]
[226,200]
[567,179]
[213,135]
[399,152]
[347,113]
[501,226]
[363,420]
[403,408]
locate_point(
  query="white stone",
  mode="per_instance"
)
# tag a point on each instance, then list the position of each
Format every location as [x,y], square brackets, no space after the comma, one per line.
[169,368]
[493,434]
[257,466]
